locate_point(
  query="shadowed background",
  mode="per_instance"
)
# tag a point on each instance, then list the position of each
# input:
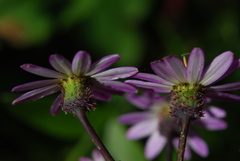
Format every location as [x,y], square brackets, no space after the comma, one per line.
[140,31]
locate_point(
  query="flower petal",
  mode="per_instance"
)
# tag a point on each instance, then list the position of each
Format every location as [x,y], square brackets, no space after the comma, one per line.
[37,93]
[226,87]
[134,117]
[213,123]
[101,95]
[141,101]
[152,78]
[97,156]
[234,66]
[198,145]
[195,65]
[219,96]
[217,68]
[142,129]
[103,64]
[150,85]
[57,104]
[176,68]
[154,145]
[34,85]
[81,63]
[41,71]
[119,86]
[116,73]
[61,64]
[217,112]
[159,67]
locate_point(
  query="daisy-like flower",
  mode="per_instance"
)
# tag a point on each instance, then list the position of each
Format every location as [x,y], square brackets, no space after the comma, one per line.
[96,156]
[191,82]
[155,122]
[80,82]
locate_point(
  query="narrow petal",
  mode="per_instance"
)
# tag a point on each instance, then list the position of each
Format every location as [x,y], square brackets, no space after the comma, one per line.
[217,68]
[226,87]
[101,95]
[140,101]
[213,123]
[154,145]
[134,117]
[150,85]
[116,73]
[219,96]
[97,156]
[198,145]
[214,111]
[119,86]
[159,67]
[57,104]
[103,64]
[195,65]
[81,63]
[152,78]
[234,66]
[187,153]
[37,93]
[41,71]
[34,85]
[61,64]
[142,129]
[176,68]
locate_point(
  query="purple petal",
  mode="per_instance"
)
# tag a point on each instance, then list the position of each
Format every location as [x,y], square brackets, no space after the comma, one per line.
[116,73]
[142,102]
[34,85]
[150,85]
[152,78]
[134,117]
[81,63]
[213,111]
[57,104]
[187,153]
[101,95]
[102,64]
[154,145]
[176,68]
[97,156]
[61,64]
[213,123]
[234,66]
[226,87]
[37,93]
[41,71]
[217,68]
[120,86]
[159,67]
[195,65]
[142,129]
[198,145]
[219,96]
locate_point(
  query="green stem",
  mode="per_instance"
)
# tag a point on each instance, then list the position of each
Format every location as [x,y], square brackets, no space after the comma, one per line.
[183,137]
[81,114]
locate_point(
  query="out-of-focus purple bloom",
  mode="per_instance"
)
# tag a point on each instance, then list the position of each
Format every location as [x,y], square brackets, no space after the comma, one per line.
[96,156]
[191,82]
[79,81]
[155,122]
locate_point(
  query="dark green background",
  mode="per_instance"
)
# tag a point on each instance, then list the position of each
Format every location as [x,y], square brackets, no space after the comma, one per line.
[140,31]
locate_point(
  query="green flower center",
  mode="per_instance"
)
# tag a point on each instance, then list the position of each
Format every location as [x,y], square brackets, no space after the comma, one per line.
[77,93]
[187,99]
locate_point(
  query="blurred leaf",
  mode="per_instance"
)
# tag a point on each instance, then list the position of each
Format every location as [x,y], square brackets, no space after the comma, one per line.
[119,146]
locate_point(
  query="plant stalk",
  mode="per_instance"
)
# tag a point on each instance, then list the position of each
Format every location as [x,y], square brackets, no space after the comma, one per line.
[81,114]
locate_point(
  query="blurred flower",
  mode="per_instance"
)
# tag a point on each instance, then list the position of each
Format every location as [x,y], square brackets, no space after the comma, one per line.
[156,123]
[190,83]
[80,83]
[96,155]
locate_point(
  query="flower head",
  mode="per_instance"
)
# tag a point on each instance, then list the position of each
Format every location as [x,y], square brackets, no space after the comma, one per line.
[80,82]
[191,82]
[155,122]
[96,156]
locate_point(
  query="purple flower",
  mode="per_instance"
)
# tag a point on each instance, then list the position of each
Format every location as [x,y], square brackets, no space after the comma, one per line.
[96,155]
[80,83]
[190,83]
[155,122]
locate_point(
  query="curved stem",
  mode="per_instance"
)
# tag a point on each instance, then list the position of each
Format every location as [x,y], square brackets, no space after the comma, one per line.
[183,137]
[80,113]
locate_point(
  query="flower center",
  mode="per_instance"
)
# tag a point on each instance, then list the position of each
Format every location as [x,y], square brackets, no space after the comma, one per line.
[77,93]
[187,99]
